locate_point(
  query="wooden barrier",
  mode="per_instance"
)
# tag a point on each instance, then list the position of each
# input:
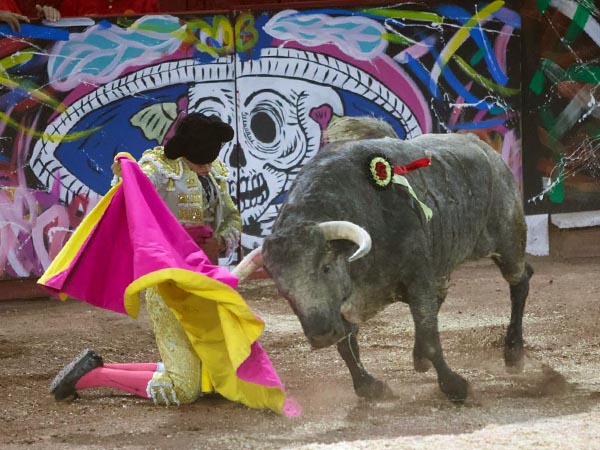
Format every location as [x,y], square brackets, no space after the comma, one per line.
[21,288]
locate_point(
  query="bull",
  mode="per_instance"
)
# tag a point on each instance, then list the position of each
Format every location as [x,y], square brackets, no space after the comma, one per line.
[343,248]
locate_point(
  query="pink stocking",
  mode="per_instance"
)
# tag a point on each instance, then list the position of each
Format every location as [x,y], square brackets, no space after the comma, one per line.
[145,367]
[131,381]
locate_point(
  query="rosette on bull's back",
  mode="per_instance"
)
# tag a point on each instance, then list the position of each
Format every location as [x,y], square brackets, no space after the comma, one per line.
[131,244]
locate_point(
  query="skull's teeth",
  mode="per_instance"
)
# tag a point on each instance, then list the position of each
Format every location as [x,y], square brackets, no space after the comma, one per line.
[255,191]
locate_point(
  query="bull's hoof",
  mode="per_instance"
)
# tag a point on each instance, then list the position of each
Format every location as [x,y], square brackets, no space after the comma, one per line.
[514,359]
[373,389]
[455,387]
[422,364]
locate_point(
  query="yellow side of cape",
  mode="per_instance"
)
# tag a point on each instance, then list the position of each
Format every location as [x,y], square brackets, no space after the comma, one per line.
[220,326]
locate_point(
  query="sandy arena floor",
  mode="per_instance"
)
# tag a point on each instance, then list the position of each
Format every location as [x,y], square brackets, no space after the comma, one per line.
[553,404]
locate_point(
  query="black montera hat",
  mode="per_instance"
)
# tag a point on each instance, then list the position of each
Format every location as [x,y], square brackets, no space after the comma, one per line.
[198,138]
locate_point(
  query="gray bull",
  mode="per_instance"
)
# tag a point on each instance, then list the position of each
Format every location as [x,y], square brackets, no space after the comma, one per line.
[333,206]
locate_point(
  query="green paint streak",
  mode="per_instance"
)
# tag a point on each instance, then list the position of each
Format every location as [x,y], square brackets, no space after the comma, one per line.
[477,57]
[537,82]
[33,89]
[397,39]
[557,193]
[69,137]
[590,5]
[577,25]
[246,34]
[552,71]
[584,74]
[550,68]
[400,14]
[542,5]
[15,59]
[489,85]
[125,22]
[548,120]
[580,72]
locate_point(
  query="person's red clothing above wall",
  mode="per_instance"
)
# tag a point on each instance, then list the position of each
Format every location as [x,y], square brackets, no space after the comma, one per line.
[9,5]
[76,8]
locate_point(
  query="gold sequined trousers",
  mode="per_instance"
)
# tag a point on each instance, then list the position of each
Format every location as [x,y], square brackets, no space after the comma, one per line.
[180,382]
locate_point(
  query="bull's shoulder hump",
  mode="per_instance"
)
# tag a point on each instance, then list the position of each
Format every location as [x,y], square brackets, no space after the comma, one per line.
[448,138]
[464,145]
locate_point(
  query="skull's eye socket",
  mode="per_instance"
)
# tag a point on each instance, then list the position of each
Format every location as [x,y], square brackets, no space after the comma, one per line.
[263,126]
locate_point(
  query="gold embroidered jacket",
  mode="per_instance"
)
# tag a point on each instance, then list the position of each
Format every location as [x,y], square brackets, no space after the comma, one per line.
[182,191]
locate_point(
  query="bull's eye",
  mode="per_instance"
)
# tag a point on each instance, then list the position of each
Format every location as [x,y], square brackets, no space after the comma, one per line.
[326,268]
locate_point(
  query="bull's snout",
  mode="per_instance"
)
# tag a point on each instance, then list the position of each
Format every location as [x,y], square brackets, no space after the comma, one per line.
[324,340]
[321,332]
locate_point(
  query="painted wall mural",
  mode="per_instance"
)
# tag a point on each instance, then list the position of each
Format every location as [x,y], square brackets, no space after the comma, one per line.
[72,97]
[561,99]
[441,68]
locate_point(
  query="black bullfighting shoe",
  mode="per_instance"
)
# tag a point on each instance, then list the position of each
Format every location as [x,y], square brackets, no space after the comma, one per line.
[63,385]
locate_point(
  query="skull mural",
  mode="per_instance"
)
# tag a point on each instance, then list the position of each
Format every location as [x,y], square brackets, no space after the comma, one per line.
[280,128]
[279,103]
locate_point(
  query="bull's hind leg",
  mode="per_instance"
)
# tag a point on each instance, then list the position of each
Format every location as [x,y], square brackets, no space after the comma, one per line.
[517,274]
[365,385]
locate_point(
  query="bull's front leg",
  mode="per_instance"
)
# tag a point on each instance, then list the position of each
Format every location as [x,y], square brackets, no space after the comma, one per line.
[420,360]
[365,385]
[424,310]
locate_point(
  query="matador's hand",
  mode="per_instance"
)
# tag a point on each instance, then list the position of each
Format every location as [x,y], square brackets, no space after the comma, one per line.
[48,12]
[13,19]
[116,168]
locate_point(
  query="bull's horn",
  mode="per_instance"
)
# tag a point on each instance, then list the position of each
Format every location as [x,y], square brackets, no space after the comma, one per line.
[341,229]
[248,265]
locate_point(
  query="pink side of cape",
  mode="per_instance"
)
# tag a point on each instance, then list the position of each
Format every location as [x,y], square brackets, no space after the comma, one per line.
[137,235]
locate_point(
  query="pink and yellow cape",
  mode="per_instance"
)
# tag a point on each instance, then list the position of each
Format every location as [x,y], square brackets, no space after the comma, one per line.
[131,241]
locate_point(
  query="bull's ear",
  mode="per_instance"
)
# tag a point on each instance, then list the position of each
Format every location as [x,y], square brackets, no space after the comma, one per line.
[289,242]
[341,248]
[312,234]
[345,230]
